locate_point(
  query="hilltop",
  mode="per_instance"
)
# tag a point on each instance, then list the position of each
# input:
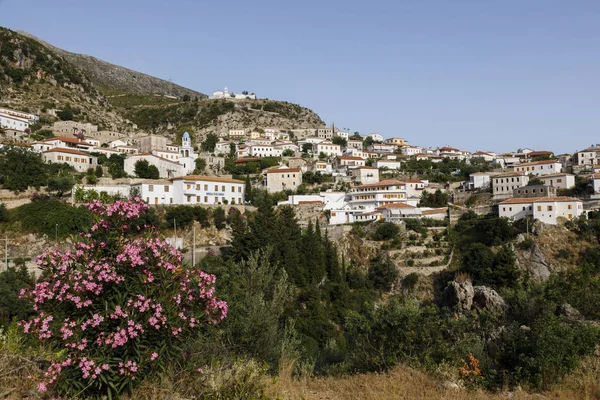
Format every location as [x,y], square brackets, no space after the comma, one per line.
[40,78]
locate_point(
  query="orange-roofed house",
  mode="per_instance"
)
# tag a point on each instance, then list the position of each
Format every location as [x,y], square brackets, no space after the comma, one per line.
[79,160]
[544,209]
[539,168]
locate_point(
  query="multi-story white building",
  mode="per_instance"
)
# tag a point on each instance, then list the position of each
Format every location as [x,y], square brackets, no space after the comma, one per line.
[350,151]
[415,187]
[411,150]
[348,161]
[16,120]
[398,142]
[539,168]
[237,133]
[559,181]
[376,137]
[486,156]
[451,153]
[264,151]
[224,147]
[354,144]
[192,190]
[388,164]
[79,160]
[279,179]
[503,185]
[479,180]
[327,148]
[544,209]
[382,148]
[322,167]
[369,197]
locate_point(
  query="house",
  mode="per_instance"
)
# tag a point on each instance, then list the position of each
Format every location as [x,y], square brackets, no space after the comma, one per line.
[167,154]
[387,164]
[395,141]
[327,148]
[237,133]
[479,180]
[224,94]
[348,161]
[534,191]
[486,156]
[342,134]
[544,209]
[79,160]
[587,157]
[166,168]
[72,127]
[147,143]
[224,147]
[415,187]
[382,148]
[596,183]
[279,179]
[370,196]
[397,212]
[410,151]
[503,185]
[539,168]
[191,190]
[127,149]
[264,151]
[559,181]
[16,120]
[297,162]
[365,175]
[435,213]
[322,167]
[354,144]
[451,153]
[351,151]
[541,154]
[117,143]
[376,137]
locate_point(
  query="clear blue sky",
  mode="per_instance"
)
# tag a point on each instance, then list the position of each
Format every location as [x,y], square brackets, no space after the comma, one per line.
[475,74]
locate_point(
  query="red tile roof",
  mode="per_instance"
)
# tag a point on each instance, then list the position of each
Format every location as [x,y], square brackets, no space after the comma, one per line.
[525,200]
[69,151]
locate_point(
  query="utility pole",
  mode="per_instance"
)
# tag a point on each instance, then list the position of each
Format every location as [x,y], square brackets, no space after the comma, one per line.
[6,252]
[56,233]
[194,247]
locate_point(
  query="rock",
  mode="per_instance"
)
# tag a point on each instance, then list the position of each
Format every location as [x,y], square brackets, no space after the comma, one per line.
[449,385]
[520,238]
[537,265]
[489,299]
[525,328]
[458,294]
[570,314]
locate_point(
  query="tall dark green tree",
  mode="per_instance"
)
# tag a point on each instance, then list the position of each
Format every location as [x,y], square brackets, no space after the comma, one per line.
[21,169]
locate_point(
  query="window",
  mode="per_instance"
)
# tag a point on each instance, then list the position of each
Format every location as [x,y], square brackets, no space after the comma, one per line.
[223,188]
[205,187]
[239,200]
[171,201]
[188,186]
[503,208]
[559,180]
[233,189]
[197,187]
[151,188]
[206,199]
[189,199]
[539,208]
[333,214]
[570,207]
[216,188]
[570,216]
[197,199]
[239,189]
[166,188]
[549,208]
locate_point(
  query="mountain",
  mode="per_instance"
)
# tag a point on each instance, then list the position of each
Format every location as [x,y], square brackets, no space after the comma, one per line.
[110,78]
[40,78]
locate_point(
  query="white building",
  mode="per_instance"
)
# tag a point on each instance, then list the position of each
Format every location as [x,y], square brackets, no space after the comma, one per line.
[279,179]
[486,156]
[376,137]
[166,168]
[224,94]
[479,180]
[264,151]
[388,164]
[451,153]
[544,209]
[397,212]
[411,150]
[503,185]
[539,168]
[79,160]
[328,148]
[355,144]
[322,167]
[559,181]
[382,148]
[16,120]
[415,187]
[369,197]
[342,162]
[237,133]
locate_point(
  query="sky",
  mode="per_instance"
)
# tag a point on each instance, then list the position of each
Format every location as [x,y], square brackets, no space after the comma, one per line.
[493,75]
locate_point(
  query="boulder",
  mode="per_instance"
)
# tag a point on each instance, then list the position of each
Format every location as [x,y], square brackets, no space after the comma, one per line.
[458,294]
[489,299]
[569,314]
[537,266]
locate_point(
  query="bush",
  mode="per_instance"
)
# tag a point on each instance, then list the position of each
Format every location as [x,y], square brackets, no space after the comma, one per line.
[383,273]
[12,281]
[100,307]
[386,231]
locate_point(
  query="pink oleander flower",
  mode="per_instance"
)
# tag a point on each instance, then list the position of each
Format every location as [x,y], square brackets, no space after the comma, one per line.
[154,356]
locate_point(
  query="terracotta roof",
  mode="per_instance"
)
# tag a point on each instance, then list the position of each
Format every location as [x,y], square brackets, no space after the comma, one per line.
[509,174]
[69,151]
[65,139]
[158,151]
[351,158]
[206,179]
[539,153]
[395,205]
[525,200]
[283,170]
[435,211]
[557,174]
[389,182]
[446,148]
[364,167]
[539,163]
[596,176]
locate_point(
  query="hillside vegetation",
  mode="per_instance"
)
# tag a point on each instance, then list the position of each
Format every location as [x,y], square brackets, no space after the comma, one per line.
[40,78]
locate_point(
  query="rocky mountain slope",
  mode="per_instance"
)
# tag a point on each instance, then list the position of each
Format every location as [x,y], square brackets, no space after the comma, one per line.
[40,78]
[113,78]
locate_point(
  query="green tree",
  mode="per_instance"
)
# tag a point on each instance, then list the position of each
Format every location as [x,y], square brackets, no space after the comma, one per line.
[386,231]
[288,153]
[98,171]
[383,272]
[210,142]
[200,166]
[21,168]
[339,141]
[65,115]
[61,184]
[12,305]
[143,169]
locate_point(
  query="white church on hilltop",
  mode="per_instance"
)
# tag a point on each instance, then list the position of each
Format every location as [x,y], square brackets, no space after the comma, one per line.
[224,94]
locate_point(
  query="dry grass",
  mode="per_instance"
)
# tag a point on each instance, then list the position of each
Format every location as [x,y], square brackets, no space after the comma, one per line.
[407,383]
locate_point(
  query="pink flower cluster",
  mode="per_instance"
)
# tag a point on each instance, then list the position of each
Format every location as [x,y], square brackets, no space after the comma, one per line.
[100,298]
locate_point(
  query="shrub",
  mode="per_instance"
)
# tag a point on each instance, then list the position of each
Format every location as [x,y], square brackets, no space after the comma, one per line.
[386,231]
[383,273]
[103,312]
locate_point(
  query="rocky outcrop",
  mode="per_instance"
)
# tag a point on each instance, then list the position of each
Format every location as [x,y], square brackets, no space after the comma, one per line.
[459,294]
[489,299]
[536,264]
[463,295]
[569,313]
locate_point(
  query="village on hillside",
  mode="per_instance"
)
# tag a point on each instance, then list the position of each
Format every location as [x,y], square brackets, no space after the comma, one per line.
[348,177]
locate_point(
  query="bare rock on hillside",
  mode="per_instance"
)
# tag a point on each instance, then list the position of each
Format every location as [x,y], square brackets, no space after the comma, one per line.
[487,298]
[569,313]
[536,264]
[459,294]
